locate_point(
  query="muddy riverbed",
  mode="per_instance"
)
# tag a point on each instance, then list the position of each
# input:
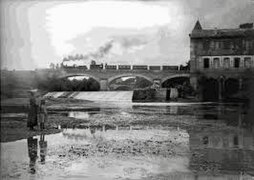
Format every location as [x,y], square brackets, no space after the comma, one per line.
[134,141]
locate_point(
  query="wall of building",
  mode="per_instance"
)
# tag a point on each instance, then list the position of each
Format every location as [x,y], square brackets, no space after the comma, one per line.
[225,62]
[220,54]
[221,48]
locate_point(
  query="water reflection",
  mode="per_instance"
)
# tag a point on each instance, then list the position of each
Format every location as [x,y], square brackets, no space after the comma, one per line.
[220,151]
[84,132]
[43,148]
[79,115]
[215,151]
[84,114]
[32,144]
[32,153]
[220,148]
[237,115]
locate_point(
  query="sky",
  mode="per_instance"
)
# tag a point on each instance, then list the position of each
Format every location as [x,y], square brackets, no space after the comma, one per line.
[35,33]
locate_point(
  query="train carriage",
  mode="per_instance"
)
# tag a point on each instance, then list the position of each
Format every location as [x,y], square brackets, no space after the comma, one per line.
[96,66]
[111,67]
[154,68]
[170,68]
[140,67]
[124,67]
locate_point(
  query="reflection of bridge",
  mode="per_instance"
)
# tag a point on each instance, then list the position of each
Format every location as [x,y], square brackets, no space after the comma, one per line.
[106,76]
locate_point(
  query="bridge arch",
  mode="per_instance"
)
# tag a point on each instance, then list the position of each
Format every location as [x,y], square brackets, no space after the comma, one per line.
[92,83]
[127,75]
[80,74]
[174,76]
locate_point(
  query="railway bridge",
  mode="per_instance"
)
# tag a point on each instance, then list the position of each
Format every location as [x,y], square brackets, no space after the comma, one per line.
[106,76]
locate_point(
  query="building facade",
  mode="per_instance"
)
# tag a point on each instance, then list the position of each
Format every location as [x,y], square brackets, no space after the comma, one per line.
[221,55]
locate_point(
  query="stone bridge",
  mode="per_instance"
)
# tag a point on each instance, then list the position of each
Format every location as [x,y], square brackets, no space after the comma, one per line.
[105,76]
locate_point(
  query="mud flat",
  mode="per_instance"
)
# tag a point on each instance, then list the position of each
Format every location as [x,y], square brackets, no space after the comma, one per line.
[129,141]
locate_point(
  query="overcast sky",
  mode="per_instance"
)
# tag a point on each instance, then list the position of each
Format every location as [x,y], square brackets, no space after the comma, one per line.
[36,33]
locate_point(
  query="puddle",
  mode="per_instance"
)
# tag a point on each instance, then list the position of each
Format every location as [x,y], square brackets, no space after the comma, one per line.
[12,115]
[222,148]
[79,114]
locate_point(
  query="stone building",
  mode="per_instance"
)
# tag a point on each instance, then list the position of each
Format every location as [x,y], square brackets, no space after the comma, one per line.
[223,56]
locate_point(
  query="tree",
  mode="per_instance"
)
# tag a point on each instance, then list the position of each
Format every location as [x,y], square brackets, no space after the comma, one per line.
[142,83]
[57,66]
[93,85]
[83,85]
[52,66]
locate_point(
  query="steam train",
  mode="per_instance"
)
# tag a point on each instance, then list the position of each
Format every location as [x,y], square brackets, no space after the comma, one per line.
[127,67]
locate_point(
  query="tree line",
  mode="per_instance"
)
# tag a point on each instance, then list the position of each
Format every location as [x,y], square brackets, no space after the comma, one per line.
[65,84]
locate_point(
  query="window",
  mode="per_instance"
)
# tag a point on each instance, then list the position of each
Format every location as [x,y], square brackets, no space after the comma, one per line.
[206,45]
[227,44]
[236,140]
[226,63]
[216,62]
[237,62]
[206,62]
[248,45]
[247,62]
[221,44]
[217,45]
[212,45]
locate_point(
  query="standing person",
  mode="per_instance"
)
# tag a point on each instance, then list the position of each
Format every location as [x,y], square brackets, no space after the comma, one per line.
[42,114]
[32,113]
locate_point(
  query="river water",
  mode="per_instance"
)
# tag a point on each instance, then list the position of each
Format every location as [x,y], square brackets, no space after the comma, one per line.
[140,141]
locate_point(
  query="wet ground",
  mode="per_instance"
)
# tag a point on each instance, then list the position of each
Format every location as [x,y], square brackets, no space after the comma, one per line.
[138,141]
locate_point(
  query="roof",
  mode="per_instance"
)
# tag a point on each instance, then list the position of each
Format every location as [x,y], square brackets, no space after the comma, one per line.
[217,33]
[197,26]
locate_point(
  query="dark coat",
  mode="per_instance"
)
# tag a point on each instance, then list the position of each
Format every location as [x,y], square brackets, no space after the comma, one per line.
[32,113]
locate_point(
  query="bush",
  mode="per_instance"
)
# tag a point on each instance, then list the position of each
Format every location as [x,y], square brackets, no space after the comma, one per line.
[144,95]
[55,84]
